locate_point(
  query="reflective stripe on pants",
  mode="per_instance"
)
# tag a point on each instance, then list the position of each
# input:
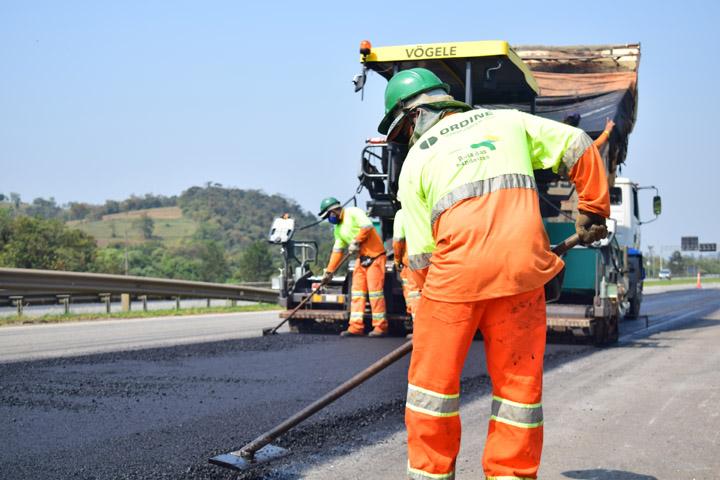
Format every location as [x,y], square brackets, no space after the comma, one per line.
[371,280]
[513,329]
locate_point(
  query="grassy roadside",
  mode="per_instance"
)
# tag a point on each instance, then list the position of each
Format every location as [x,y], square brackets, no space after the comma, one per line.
[74,317]
[680,281]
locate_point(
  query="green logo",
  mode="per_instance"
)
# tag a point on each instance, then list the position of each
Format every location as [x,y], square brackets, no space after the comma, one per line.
[489,144]
[428,143]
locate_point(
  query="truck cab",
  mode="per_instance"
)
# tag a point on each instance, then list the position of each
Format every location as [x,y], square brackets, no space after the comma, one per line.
[625,213]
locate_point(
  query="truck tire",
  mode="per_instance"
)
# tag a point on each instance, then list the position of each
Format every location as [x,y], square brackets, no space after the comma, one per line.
[600,333]
[613,334]
[635,302]
[607,332]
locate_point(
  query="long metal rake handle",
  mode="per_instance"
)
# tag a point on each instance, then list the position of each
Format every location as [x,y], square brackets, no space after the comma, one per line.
[248,451]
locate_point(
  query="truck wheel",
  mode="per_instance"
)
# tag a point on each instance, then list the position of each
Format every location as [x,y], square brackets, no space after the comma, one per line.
[613,330]
[607,332]
[634,309]
[600,334]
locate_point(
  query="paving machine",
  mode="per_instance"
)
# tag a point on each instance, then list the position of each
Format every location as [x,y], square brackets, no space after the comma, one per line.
[602,282]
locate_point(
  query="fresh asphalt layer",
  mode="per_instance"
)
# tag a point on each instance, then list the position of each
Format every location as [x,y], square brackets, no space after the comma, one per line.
[644,409]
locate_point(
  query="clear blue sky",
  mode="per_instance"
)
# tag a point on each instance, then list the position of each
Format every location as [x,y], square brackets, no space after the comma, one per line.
[99,100]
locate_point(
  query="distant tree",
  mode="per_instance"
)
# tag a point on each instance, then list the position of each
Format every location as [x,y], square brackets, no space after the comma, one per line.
[109,260]
[146,225]
[79,210]
[209,231]
[111,206]
[213,266]
[6,226]
[678,264]
[15,199]
[256,263]
[41,207]
[33,242]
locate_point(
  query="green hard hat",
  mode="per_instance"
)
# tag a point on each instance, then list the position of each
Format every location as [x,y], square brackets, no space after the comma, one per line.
[328,204]
[404,85]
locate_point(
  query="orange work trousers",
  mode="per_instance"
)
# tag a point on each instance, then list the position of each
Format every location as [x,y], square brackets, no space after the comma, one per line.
[411,292]
[368,282]
[513,329]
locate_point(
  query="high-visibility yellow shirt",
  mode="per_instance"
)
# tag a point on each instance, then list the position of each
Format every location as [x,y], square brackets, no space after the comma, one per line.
[399,247]
[481,163]
[355,225]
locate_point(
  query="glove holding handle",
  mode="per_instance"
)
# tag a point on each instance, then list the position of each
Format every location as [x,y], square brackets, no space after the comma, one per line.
[590,227]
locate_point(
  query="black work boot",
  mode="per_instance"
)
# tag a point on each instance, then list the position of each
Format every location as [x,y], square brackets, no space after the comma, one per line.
[348,333]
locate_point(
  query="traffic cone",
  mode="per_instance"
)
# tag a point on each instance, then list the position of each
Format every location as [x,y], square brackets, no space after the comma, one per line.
[699,284]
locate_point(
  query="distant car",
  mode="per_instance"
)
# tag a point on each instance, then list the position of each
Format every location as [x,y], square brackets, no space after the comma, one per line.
[665,274]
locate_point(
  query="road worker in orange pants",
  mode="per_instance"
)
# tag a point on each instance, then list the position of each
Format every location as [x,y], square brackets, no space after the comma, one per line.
[411,291]
[354,231]
[477,245]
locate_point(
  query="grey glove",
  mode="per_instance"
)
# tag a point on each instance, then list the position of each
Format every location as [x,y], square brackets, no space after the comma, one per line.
[327,276]
[590,227]
[354,247]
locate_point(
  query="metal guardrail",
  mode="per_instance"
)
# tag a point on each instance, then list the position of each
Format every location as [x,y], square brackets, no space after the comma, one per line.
[16,281]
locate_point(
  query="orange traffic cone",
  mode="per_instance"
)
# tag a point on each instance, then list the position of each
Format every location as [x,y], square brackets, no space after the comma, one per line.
[698,284]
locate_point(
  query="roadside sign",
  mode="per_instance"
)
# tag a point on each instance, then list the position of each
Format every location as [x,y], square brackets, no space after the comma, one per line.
[689,243]
[708,247]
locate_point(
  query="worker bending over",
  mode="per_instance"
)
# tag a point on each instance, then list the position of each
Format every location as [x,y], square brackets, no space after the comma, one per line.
[476,241]
[411,291]
[354,231]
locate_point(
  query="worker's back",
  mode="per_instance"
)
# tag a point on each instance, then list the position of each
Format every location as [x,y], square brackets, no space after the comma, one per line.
[471,175]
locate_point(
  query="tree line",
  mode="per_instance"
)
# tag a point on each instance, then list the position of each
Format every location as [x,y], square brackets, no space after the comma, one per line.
[229,244]
[48,208]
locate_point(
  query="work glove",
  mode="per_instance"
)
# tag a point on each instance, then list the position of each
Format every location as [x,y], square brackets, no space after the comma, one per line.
[327,276]
[354,247]
[590,227]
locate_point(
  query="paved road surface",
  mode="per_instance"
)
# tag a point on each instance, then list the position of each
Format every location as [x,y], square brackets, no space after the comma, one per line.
[645,409]
[648,409]
[80,338]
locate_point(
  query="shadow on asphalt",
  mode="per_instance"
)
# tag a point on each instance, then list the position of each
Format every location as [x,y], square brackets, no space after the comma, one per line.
[602,474]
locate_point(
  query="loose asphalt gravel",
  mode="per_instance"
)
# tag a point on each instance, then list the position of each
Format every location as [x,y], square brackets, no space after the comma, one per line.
[162,412]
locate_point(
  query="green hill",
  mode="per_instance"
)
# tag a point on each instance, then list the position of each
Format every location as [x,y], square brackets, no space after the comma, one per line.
[170,226]
[209,233]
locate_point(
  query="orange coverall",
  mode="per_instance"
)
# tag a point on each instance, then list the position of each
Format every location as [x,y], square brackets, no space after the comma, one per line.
[478,247]
[411,291]
[366,281]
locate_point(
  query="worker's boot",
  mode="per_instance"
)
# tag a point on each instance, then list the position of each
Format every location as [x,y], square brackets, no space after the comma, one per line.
[349,333]
[378,333]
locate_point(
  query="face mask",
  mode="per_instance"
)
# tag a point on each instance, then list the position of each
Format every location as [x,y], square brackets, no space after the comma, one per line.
[425,119]
[333,219]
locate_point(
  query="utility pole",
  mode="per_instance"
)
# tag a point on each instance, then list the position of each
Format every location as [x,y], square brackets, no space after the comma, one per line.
[126,252]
